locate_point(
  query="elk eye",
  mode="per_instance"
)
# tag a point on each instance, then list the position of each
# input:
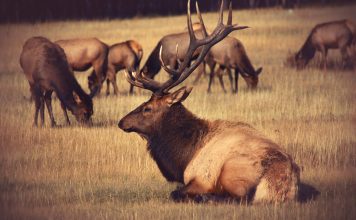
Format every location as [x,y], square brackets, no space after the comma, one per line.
[147,109]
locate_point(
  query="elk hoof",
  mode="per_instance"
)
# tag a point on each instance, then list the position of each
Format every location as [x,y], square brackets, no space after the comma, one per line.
[178,196]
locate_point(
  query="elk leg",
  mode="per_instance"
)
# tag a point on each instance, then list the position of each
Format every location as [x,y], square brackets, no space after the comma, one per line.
[65,113]
[107,87]
[211,76]
[228,70]
[42,110]
[236,80]
[193,189]
[37,98]
[48,100]
[220,76]
[201,71]
[345,56]
[131,89]
[114,84]
[238,178]
[324,53]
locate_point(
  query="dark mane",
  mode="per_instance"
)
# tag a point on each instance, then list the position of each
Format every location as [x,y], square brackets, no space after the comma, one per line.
[178,138]
[153,65]
[307,51]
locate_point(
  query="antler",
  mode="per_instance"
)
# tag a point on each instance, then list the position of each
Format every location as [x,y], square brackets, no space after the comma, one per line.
[184,70]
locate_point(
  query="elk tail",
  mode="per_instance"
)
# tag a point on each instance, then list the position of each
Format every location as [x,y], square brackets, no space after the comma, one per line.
[280,181]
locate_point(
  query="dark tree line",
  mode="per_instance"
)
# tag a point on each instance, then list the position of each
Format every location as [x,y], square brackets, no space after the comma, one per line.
[41,10]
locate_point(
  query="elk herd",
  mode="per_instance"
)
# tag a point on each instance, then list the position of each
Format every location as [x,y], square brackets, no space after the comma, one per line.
[211,159]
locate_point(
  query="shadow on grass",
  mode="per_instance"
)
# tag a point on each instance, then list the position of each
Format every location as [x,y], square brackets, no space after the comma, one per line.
[307,193]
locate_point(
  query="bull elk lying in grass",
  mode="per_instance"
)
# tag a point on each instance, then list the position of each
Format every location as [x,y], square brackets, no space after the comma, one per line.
[125,55]
[325,36]
[209,157]
[46,68]
[85,53]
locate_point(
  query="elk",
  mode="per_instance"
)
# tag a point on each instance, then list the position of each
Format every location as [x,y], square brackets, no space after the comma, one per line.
[124,55]
[231,54]
[46,68]
[210,158]
[85,53]
[168,44]
[331,35]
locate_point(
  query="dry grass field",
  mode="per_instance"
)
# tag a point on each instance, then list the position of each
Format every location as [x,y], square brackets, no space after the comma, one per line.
[100,172]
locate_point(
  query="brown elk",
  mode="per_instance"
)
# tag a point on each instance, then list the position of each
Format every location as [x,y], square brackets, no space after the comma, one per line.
[325,36]
[228,54]
[168,44]
[208,157]
[231,54]
[124,55]
[85,53]
[46,68]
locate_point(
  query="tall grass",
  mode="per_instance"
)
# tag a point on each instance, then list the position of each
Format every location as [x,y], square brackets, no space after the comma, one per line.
[101,172]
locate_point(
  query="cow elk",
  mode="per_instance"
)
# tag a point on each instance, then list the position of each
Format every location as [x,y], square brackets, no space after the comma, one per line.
[46,68]
[230,54]
[85,53]
[325,36]
[210,158]
[125,55]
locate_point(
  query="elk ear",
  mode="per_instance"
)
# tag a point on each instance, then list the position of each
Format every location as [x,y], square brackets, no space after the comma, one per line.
[178,96]
[76,98]
[258,71]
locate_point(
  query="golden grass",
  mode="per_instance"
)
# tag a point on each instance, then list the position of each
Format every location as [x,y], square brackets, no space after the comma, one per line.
[101,172]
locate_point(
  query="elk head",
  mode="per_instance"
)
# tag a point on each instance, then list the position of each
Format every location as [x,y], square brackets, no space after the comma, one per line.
[146,118]
[83,110]
[94,84]
[252,80]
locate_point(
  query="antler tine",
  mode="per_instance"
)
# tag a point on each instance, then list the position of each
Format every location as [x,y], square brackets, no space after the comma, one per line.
[221,13]
[204,32]
[177,58]
[190,24]
[220,32]
[142,82]
[229,19]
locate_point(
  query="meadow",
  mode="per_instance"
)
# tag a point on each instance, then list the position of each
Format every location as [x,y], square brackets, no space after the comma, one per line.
[100,172]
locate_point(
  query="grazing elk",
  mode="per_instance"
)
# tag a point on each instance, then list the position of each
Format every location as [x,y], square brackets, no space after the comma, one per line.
[208,157]
[46,68]
[125,55]
[231,54]
[85,53]
[325,36]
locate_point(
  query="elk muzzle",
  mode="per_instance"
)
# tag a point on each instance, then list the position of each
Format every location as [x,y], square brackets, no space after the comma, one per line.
[125,125]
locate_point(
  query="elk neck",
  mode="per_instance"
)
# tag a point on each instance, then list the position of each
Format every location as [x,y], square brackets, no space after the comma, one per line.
[308,49]
[176,140]
[153,64]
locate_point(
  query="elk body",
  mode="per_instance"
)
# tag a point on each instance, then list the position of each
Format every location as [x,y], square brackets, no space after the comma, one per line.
[85,53]
[168,44]
[231,54]
[125,55]
[325,36]
[46,68]
[209,157]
